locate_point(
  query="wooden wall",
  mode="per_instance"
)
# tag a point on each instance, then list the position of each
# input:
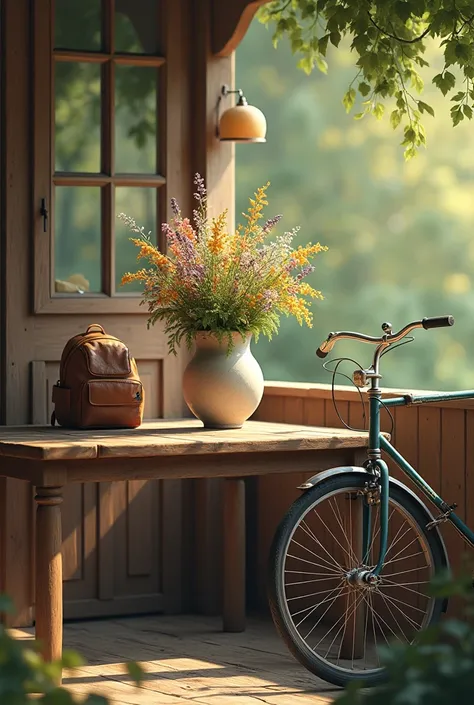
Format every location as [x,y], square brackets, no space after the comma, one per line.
[437,439]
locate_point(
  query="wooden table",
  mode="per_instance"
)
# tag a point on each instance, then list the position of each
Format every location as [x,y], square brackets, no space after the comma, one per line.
[50,458]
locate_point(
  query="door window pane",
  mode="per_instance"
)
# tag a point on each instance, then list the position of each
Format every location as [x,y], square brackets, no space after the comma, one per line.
[77,116]
[77,25]
[135,119]
[77,240]
[136,26]
[140,204]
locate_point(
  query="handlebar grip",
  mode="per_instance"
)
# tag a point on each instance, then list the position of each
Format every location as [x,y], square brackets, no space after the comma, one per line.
[320,353]
[437,322]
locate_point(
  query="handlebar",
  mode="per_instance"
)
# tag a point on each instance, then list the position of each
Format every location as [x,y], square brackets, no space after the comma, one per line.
[388,338]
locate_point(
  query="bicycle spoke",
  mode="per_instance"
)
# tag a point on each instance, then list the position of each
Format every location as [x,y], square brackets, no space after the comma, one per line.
[394,601]
[405,558]
[311,594]
[312,608]
[323,614]
[335,539]
[393,584]
[310,533]
[341,526]
[403,572]
[387,604]
[297,558]
[314,580]
[331,569]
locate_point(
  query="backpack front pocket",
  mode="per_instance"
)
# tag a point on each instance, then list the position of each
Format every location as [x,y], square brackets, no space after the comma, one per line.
[112,403]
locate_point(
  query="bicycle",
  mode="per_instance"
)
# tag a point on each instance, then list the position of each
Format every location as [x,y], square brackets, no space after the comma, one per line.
[351,559]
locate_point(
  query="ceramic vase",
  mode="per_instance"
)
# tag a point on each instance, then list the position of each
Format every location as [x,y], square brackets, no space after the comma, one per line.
[222,388]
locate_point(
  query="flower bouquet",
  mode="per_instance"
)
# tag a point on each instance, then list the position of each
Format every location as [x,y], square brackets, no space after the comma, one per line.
[217,288]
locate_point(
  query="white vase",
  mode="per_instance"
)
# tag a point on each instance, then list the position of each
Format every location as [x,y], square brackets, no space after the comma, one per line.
[221,389]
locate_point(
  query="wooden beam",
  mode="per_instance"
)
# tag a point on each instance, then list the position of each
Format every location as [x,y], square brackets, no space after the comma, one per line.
[230,22]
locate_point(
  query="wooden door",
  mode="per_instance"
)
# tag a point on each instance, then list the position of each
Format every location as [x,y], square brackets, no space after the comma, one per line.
[104,115]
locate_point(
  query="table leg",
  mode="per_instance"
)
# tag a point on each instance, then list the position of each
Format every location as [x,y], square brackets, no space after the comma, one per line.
[234,555]
[49,579]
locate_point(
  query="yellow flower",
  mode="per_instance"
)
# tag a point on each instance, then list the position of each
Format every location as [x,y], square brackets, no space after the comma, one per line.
[254,212]
[302,254]
[307,290]
[141,275]
[152,253]
[218,238]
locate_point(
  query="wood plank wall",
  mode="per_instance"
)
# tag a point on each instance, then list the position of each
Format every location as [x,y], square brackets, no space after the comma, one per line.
[437,439]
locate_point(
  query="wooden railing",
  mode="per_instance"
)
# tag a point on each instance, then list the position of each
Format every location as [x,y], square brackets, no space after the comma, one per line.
[437,439]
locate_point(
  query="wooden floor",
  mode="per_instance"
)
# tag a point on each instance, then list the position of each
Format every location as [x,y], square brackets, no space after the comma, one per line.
[188,659]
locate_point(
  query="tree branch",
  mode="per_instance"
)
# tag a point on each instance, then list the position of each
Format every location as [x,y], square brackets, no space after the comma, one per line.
[394,36]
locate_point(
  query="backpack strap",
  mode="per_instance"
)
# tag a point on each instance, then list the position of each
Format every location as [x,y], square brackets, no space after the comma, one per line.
[53,419]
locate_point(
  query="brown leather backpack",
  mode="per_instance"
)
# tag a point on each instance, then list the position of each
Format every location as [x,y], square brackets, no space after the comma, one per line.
[99,385]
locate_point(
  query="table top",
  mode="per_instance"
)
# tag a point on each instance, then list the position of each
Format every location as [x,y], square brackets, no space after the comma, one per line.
[169,437]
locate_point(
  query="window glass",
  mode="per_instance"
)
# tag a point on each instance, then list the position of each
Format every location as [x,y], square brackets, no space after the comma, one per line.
[135,119]
[77,25]
[78,240]
[140,204]
[77,116]
[136,26]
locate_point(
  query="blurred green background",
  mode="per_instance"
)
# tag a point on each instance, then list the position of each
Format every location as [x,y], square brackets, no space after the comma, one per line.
[401,235]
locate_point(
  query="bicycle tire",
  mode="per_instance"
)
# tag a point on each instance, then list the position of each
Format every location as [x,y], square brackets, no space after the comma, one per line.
[276,588]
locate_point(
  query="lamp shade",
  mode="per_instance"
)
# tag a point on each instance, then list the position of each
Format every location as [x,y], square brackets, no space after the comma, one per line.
[242,123]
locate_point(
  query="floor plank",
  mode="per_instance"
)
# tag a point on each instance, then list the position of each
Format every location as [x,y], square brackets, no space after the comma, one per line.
[188,659]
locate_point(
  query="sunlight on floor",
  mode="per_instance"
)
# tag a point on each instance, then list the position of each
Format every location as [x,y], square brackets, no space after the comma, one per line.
[229,669]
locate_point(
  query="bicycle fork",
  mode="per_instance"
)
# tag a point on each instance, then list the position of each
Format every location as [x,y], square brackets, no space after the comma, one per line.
[379,470]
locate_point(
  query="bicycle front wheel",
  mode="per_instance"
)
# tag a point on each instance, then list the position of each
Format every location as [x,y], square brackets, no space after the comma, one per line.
[331,620]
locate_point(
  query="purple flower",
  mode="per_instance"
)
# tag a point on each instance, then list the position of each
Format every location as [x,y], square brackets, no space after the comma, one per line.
[307,269]
[175,207]
[269,298]
[168,231]
[270,224]
[201,193]
[248,260]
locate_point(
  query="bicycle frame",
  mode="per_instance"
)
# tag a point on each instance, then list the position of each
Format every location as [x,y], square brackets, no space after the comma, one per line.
[378,443]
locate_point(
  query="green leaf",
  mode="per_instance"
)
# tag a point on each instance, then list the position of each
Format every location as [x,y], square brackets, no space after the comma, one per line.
[425,108]
[395,118]
[417,81]
[321,63]
[359,116]
[349,99]
[402,10]
[335,38]
[463,52]
[306,64]
[467,110]
[364,88]
[323,44]
[135,671]
[444,81]
[378,110]
[410,152]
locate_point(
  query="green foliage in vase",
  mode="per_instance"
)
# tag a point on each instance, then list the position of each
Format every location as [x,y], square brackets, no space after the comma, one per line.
[221,281]
[388,41]
[24,672]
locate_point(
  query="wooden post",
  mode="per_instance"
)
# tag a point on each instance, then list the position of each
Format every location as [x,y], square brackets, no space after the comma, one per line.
[49,579]
[234,555]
